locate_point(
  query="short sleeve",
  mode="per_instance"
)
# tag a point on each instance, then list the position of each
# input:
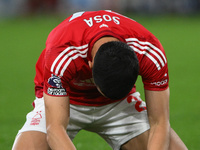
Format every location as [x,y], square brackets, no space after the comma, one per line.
[153,78]
[153,66]
[53,84]
[56,79]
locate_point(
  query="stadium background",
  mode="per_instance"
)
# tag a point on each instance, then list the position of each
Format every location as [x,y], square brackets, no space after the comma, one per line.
[25,25]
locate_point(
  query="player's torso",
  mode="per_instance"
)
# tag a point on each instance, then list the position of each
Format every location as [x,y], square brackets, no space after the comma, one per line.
[82,27]
[75,37]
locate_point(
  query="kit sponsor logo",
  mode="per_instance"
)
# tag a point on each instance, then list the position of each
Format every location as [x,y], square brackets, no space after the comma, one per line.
[159,83]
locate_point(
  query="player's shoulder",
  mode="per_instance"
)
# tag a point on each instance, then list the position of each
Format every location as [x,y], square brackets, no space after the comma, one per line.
[152,62]
[149,52]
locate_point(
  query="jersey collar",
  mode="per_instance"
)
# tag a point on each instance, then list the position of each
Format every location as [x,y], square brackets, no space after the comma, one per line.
[100,35]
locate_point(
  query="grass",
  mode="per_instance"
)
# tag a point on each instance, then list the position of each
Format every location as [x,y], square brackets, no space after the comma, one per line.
[22,40]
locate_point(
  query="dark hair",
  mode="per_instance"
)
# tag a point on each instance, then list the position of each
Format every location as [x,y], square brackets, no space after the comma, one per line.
[115,69]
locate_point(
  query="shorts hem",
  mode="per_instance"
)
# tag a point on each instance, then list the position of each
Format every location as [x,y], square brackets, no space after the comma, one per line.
[129,137]
[31,129]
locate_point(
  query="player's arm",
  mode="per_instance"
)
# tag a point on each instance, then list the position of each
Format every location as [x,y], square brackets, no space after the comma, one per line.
[158,113]
[57,118]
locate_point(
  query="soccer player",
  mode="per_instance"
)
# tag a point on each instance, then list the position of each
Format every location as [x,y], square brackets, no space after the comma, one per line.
[85,79]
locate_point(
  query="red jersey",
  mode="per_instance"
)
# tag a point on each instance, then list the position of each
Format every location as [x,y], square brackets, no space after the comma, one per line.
[63,70]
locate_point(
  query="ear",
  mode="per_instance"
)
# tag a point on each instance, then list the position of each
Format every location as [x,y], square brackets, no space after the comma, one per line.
[90,64]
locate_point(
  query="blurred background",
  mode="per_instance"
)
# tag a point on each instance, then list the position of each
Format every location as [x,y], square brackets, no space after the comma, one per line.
[25,25]
[10,8]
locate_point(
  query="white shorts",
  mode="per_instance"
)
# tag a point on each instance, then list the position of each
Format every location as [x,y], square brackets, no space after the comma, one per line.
[116,123]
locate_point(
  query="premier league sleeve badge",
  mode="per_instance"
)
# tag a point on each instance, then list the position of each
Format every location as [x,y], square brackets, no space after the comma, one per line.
[56,86]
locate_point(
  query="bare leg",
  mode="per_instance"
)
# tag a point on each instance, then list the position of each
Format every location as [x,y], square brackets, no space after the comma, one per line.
[175,142]
[137,143]
[31,140]
[140,142]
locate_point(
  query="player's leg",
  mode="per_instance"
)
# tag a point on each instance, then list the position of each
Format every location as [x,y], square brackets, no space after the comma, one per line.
[31,140]
[140,142]
[32,135]
[122,121]
[79,118]
[137,143]
[175,142]
[125,125]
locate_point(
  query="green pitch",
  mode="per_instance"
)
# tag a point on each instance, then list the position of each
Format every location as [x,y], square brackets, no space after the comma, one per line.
[22,40]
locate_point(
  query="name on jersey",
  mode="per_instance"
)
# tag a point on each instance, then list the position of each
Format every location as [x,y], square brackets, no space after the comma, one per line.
[98,19]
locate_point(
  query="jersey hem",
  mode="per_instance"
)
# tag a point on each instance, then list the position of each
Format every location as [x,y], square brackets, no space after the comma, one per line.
[156,89]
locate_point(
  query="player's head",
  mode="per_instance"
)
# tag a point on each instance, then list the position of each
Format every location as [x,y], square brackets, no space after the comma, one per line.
[115,69]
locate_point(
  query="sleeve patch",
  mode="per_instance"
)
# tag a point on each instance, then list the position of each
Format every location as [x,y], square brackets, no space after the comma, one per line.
[57,92]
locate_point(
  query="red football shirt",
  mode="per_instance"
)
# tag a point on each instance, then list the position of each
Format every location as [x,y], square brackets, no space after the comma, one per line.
[63,69]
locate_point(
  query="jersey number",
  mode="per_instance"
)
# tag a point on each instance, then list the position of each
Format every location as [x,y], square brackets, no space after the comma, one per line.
[138,103]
